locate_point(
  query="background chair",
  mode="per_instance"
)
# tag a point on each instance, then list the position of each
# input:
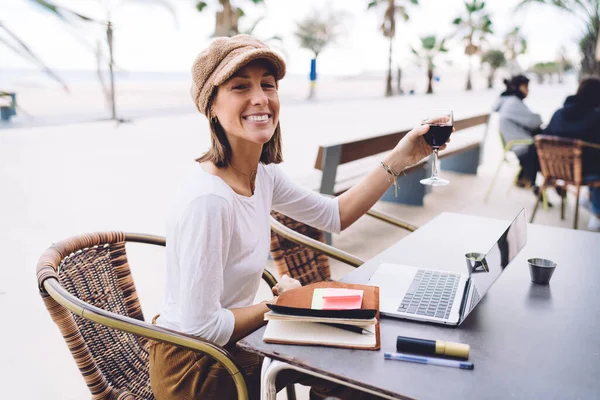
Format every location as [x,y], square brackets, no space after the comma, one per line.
[508,157]
[87,287]
[299,250]
[561,162]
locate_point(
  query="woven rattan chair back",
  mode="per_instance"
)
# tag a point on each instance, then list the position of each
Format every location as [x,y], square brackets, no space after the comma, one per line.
[560,158]
[94,268]
[296,260]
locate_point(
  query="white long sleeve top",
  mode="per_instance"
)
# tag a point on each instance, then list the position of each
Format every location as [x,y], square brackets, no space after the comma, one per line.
[218,243]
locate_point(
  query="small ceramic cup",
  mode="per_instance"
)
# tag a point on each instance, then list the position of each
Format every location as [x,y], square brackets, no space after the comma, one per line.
[541,270]
[476,263]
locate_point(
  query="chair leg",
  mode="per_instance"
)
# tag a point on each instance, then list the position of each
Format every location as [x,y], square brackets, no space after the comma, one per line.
[576,207]
[290,391]
[515,179]
[545,200]
[537,202]
[487,195]
[562,208]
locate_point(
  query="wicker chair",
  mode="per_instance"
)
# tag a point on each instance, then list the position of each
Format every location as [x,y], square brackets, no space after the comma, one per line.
[561,162]
[87,287]
[299,250]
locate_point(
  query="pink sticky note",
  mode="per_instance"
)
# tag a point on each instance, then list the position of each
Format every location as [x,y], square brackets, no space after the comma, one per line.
[342,299]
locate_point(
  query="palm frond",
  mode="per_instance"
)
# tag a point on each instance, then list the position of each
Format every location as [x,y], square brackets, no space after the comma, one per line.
[24,51]
[372,4]
[402,11]
[428,42]
[63,13]
[200,5]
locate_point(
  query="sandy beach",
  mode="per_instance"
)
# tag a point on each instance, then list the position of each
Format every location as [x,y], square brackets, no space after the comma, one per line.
[61,178]
[141,95]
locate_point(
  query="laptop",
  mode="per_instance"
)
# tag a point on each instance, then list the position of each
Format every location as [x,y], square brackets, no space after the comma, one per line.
[446,297]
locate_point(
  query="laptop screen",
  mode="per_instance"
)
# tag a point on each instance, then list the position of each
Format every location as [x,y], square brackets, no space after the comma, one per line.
[500,255]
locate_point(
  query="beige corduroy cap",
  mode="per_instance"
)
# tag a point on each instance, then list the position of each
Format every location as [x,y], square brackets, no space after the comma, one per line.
[223,57]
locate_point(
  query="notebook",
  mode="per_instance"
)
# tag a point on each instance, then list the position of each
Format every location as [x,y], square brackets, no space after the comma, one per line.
[292,320]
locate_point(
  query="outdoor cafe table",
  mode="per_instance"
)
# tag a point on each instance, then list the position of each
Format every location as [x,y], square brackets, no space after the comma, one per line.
[527,341]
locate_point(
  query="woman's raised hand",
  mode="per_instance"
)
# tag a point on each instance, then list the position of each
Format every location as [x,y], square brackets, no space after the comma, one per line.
[285,283]
[412,148]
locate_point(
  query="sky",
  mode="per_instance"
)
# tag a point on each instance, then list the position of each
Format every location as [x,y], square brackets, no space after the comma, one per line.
[148,38]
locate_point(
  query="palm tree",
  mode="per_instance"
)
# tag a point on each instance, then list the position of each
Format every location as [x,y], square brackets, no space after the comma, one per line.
[495,59]
[227,18]
[476,24]
[588,14]
[315,33]
[430,47]
[393,8]
[515,44]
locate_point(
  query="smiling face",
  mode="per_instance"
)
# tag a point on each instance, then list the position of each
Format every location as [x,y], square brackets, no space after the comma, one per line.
[247,104]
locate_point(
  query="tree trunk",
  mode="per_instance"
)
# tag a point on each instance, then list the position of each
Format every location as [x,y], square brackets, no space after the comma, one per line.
[227,20]
[469,86]
[111,63]
[491,78]
[388,85]
[399,81]
[429,80]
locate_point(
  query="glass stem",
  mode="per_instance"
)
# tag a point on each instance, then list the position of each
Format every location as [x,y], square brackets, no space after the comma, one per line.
[434,164]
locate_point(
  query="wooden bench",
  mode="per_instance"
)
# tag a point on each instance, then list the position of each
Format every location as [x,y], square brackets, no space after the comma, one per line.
[343,164]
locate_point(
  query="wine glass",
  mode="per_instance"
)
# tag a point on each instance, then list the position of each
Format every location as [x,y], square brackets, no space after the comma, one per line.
[440,124]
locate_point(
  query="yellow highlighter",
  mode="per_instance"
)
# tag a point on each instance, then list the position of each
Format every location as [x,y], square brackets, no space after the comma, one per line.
[432,347]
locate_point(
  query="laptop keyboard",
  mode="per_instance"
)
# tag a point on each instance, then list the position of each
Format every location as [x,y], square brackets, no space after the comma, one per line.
[474,298]
[431,293]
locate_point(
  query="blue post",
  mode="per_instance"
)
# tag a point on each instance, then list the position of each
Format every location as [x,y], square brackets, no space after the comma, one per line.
[313,77]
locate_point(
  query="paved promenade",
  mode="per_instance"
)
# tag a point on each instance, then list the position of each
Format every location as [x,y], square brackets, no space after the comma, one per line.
[67,179]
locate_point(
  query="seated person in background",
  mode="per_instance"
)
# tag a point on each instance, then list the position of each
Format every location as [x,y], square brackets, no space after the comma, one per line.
[517,121]
[579,118]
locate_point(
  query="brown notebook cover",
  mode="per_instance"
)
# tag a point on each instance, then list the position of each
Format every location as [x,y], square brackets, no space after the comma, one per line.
[301,299]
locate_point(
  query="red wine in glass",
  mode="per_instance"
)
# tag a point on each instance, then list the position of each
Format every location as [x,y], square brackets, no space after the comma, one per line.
[440,128]
[438,135]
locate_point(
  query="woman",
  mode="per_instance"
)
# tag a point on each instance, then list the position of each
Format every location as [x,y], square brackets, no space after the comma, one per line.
[517,121]
[218,229]
[579,118]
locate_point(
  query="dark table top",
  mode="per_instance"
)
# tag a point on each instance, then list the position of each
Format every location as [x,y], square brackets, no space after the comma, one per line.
[527,341]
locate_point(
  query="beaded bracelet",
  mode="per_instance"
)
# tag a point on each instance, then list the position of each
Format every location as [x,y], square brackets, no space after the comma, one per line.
[393,173]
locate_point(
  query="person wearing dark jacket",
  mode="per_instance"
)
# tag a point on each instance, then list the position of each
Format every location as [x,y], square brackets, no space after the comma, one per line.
[517,121]
[579,118]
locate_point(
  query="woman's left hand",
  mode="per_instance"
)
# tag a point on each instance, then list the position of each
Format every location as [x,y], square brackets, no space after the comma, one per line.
[285,283]
[412,148]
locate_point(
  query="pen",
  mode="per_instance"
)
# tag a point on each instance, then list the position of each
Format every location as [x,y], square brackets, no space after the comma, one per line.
[432,347]
[351,328]
[428,360]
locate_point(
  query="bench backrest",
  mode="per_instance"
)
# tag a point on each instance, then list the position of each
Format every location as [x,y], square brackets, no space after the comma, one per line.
[356,150]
